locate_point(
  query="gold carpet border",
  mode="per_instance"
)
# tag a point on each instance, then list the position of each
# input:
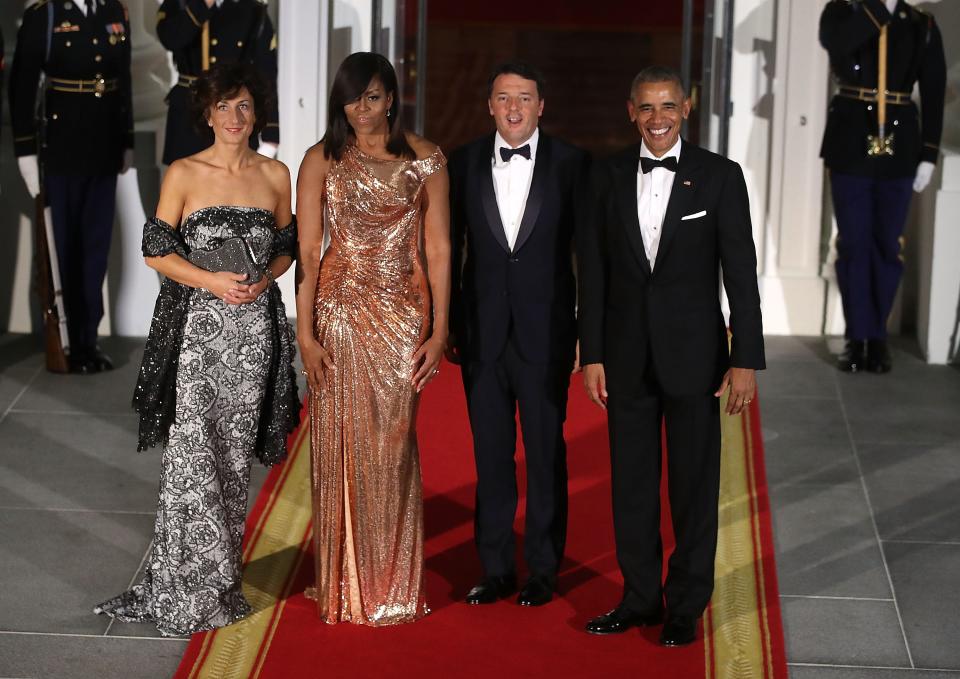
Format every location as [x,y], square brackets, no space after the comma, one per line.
[234,652]
[736,629]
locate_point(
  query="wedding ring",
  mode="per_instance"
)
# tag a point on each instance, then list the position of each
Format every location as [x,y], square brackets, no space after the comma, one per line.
[303,372]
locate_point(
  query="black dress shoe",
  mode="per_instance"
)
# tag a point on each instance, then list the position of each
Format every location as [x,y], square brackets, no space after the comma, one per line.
[878,356]
[853,358]
[100,360]
[492,589]
[80,364]
[679,630]
[621,619]
[537,591]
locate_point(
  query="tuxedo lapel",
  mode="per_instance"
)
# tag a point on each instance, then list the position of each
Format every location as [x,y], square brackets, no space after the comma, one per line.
[685,186]
[626,178]
[538,187]
[488,195]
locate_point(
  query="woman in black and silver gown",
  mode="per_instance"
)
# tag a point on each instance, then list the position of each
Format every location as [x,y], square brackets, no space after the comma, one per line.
[216,386]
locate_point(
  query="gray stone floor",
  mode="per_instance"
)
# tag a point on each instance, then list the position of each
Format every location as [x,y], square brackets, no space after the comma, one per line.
[864,475]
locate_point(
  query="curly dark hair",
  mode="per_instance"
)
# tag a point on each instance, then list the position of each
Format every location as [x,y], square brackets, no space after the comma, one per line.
[224,81]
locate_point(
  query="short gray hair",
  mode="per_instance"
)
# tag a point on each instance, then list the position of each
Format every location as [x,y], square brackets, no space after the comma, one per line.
[657,74]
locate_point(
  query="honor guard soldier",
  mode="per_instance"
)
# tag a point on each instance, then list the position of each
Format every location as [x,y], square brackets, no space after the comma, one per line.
[79,50]
[201,33]
[878,149]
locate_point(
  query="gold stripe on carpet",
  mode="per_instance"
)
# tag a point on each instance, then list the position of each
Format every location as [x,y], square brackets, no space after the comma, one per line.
[736,630]
[232,652]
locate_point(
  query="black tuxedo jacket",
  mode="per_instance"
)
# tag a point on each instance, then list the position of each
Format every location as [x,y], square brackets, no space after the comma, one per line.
[531,288]
[670,317]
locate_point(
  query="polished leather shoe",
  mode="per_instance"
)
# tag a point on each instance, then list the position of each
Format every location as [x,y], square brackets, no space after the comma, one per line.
[853,358]
[537,591]
[492,589]
[878,357]
[79,363]
[621,619]
[100,360]
[679,630]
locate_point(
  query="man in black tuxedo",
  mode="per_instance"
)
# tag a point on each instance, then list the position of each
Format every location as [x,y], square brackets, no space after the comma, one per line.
[653,345]
[514,200]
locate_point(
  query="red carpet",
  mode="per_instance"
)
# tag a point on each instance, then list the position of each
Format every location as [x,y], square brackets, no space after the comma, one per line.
[284,639]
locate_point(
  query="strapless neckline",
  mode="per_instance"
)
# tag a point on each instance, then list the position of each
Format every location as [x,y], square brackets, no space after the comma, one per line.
[244,208]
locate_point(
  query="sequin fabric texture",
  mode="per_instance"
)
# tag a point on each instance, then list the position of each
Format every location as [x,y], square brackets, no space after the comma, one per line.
[372,312]
[192,577]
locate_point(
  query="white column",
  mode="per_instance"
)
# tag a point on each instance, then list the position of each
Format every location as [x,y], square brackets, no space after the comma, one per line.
[938,239]
[131,286]
[780,82]
[304,29]
[938,242]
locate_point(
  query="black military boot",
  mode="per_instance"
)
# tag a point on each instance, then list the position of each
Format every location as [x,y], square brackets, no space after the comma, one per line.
[853,358]
[878,356]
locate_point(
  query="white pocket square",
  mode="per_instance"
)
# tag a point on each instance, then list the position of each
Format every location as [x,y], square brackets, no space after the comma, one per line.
[695,215]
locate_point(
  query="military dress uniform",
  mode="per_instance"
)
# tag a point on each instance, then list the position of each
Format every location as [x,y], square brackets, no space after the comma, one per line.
[199,37]
[874,140]
[87,125]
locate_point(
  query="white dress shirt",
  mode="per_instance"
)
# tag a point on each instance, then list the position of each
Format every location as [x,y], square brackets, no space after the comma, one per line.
[82,6]
[511,182]
[653,195]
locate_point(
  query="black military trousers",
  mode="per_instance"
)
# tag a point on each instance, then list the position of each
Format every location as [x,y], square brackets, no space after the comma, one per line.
[83,209]
[636,417]
[495,391]
[871,215]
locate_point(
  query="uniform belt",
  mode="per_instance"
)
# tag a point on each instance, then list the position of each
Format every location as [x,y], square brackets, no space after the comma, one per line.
[187,81]
[870,95]
[97,87]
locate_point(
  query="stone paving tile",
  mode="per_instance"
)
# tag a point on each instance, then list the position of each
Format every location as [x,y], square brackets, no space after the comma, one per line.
[72,657]
[825,542]
[55,566]
[74,461]
[801,672]
[843,632]
[925,580]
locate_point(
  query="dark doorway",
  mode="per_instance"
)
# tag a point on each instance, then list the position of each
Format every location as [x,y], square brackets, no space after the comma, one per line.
[588,52]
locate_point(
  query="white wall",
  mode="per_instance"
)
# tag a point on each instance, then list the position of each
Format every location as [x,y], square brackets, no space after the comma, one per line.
[779,91]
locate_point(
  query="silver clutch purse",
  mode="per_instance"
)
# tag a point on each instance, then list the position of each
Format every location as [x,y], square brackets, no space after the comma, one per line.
[233,255]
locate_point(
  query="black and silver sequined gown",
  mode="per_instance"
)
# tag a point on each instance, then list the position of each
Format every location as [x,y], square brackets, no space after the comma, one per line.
[192,578]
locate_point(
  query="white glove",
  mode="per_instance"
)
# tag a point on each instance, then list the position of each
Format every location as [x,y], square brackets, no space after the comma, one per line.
[923,176]
[30,171]
[268,149]
[127,161]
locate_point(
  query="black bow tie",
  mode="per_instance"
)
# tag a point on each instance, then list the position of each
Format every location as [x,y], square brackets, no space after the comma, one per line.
[647,164]
[507,154]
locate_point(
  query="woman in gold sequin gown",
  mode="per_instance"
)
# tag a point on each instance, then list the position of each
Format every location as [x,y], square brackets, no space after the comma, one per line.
[372,326]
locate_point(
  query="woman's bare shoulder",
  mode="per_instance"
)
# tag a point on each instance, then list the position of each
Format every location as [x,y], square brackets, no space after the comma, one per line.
[276,170]
[315,162]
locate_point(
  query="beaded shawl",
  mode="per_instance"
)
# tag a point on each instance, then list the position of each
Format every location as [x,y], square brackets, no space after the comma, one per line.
[154,397]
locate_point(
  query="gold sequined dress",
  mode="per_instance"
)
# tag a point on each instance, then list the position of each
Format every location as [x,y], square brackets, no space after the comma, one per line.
[372,312]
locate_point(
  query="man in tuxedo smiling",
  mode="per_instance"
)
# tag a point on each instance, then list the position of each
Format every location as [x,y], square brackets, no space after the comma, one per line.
[515,196]
[653,344]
